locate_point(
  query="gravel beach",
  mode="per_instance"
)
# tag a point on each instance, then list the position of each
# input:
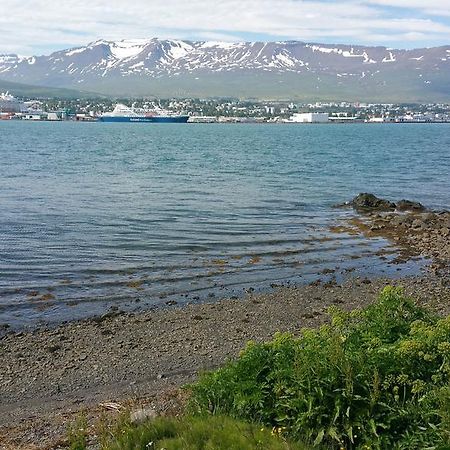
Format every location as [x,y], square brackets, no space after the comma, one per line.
[130,360]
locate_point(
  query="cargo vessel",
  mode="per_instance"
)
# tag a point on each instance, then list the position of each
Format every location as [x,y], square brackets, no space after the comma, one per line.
[123,113]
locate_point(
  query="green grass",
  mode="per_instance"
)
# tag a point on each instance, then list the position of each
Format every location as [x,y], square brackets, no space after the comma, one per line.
[196,433]
[27,90]
[376,378]
[78,434]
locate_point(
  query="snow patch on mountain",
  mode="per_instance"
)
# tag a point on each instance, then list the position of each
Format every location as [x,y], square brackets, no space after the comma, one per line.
[179,49]
[8,59]
[345,53]
[75,51]
[127,49]
[218,44]
[391,58]
[152,59]
[285,60]
[317,48]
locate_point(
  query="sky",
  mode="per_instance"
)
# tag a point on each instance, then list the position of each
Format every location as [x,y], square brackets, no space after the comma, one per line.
[36,27]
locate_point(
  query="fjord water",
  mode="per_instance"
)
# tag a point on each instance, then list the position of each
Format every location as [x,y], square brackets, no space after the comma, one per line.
[132,216]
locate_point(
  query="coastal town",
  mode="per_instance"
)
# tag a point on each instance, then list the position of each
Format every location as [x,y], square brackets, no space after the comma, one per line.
[224,110]
[269,270]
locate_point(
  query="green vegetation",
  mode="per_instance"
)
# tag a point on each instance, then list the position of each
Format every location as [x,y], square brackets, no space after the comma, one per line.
[390,87]
[194,433]
[373,379]
[78,434]
[376,379]
[39,92]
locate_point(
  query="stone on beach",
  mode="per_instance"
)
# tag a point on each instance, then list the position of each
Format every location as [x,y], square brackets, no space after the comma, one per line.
[370,201]
[408,205]
[142,415]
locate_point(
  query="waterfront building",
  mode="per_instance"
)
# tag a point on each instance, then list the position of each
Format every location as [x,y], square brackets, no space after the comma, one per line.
[309,118]
[203,119]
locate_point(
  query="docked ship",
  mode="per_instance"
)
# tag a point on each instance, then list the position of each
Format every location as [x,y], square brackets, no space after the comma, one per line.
[10,104]
[123,113]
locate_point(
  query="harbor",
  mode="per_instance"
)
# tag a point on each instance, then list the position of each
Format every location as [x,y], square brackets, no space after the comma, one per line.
[218,111]
[225,225]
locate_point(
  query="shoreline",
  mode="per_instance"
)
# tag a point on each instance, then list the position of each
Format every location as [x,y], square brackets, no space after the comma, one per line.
[50,375]
[388,260]
[247,121]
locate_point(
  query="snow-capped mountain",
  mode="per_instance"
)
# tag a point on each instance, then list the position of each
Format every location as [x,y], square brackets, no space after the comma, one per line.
[247,69]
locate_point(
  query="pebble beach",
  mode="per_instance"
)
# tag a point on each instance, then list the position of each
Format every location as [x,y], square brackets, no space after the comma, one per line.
[142,359]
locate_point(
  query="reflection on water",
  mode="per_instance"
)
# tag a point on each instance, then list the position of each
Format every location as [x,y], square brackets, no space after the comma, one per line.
[133,216]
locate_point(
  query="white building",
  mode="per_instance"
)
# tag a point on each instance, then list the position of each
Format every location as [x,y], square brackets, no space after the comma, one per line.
[56,115]
[309,118]
[33,116]
[202,119]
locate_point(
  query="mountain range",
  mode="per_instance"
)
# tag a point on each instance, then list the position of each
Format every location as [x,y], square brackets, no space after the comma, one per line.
[258,70]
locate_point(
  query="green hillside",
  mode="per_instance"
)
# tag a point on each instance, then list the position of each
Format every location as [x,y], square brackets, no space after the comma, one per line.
[26,90]
[400,87]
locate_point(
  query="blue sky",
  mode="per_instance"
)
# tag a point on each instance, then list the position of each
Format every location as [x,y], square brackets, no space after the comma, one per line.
[40,27]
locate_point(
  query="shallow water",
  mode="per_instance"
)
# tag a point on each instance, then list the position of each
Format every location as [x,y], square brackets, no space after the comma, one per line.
[97,215]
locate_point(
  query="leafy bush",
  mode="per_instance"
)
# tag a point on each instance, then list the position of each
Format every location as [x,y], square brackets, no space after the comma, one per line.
[189,433]
[376,378]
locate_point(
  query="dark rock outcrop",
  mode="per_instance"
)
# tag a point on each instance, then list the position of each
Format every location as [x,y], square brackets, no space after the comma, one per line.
[366,201]
[408,205]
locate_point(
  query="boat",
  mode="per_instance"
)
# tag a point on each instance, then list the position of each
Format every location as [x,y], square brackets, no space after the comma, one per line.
[123,113]
[9,104]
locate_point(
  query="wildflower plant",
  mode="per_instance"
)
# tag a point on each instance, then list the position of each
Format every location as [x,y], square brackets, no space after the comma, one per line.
[376,378]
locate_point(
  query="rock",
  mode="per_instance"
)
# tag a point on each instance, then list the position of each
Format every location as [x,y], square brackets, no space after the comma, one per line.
[341,205]
[368,201]
[142,415]
[171,303]
[106,316]
[408,220]
[401,220]
[53,348]
[408,205]
[417,224]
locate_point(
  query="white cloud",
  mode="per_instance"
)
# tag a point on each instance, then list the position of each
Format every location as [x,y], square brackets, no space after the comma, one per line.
[430,7]
[30,26]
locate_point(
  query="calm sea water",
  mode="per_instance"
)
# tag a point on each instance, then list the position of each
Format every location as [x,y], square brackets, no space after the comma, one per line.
[132,216]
